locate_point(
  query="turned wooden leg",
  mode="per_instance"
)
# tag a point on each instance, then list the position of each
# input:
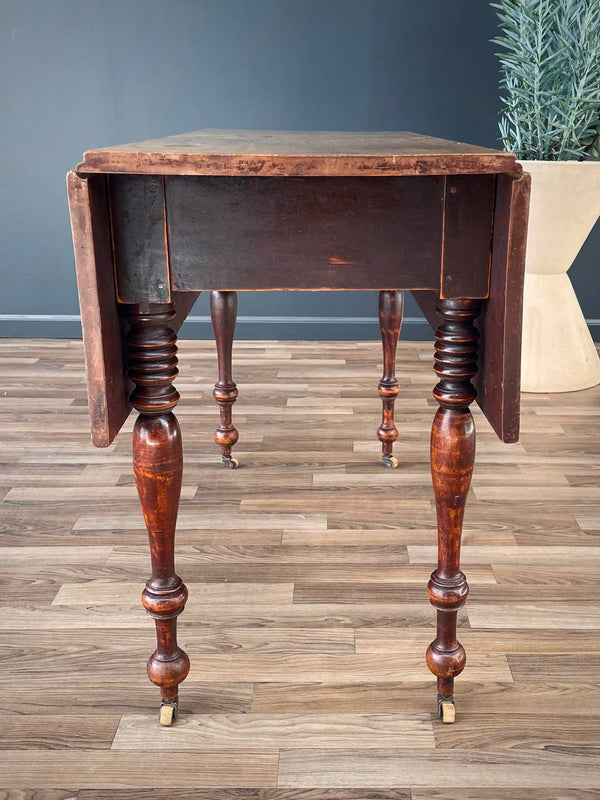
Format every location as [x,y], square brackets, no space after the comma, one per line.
[158,467]
[223,313]
[452,457]
[390,322]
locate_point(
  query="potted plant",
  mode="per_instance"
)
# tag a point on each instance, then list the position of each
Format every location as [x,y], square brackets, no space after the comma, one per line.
[550,87]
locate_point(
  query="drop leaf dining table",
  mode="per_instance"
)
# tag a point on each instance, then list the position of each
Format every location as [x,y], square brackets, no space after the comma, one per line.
[155,223]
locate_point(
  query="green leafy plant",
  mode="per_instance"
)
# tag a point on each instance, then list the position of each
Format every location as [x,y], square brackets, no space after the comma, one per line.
[550,78]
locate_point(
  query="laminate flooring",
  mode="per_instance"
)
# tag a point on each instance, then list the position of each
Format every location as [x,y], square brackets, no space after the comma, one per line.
[308,618]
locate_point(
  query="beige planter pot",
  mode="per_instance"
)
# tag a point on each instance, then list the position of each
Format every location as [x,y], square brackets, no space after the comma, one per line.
[558,352]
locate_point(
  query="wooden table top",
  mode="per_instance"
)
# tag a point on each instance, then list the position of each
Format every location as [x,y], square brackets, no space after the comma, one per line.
[297,153]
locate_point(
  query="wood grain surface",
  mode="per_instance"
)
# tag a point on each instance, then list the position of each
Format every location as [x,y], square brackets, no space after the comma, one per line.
[107,397]
[238,233]
[308,615]
[242,152]
[104,329]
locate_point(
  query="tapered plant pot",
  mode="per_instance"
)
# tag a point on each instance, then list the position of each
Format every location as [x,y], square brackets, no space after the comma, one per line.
[558,353]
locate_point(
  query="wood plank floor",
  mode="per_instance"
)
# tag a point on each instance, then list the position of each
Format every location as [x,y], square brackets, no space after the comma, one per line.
[308,617]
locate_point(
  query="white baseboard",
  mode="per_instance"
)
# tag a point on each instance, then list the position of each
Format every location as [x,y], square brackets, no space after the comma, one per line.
[68,326]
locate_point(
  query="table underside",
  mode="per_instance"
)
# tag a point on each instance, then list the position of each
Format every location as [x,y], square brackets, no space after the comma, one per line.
[145,239]
[230,233]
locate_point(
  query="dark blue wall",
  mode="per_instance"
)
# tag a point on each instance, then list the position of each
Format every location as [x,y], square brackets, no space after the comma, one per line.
[76,74]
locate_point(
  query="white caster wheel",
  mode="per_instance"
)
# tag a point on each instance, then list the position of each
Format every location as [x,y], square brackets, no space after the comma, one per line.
[447,712]
[168,714]
[230,462]
[390,462]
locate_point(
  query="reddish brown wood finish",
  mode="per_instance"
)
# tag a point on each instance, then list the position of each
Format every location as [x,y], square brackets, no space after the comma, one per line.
[202,233]
[498,381]
[108,402]
[239,233]
[452,458]
[323,220]
[223,313]
[158,467]
[468,205]
[288,153]
[103,327]
[390,322]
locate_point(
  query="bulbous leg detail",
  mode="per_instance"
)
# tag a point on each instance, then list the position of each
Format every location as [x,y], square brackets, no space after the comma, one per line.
[158,468]
[452,459]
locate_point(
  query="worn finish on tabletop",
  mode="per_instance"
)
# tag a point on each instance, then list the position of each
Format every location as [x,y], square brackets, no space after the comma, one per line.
[287,153]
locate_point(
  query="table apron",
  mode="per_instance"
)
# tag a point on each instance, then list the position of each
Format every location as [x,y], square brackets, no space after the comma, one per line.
[201,233]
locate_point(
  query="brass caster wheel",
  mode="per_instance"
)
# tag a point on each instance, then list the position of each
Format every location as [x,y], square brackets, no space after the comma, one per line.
[447,711]
[168,714]
[230,462]
[390,462]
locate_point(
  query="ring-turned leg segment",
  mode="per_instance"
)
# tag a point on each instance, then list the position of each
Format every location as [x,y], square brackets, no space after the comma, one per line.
[223,313]
[158,467]
[390,322]
[452,458]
